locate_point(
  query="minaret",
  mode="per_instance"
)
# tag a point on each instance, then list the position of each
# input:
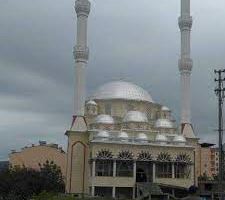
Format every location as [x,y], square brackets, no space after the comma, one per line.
[185,67]
[81,52]
[78,149]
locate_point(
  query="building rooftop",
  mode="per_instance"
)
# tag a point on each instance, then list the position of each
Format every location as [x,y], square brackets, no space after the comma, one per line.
[121,90]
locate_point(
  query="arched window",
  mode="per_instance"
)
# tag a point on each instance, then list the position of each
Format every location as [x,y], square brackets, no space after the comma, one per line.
[182,166]
[104,154]
[125,155]
[144,156]
[184,158]
[104,163]
[164,166]
[124,164]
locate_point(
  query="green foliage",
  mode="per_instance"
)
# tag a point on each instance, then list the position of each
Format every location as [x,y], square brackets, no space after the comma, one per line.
[52,177]
[22,183]
[45,196]
[203,177]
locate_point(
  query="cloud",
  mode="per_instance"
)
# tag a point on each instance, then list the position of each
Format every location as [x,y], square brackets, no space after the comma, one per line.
[138,41]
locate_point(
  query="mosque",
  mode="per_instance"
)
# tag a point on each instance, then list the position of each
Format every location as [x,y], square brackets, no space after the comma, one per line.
[121,141]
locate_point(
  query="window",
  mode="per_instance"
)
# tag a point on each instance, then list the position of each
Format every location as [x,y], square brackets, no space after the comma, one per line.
[182,166]
[104,163]
[164,170]
[124,164]
[124,168]
[182,170]
[104,168]
[103,192]
[164,166]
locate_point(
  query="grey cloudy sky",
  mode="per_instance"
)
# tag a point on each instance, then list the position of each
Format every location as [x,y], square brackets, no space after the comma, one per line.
[136,40]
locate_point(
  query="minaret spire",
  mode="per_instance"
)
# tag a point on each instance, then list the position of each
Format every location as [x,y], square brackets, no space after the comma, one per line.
[185,64]
[77,149]
[81,52]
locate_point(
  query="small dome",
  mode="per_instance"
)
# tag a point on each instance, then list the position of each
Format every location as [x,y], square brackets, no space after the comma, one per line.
[91,102]
[161,138]
[164,123]
[123,136]
[179,139]
[166,109]
[135,116]
[142,137]
[122,90]
[104,119]
[102,135]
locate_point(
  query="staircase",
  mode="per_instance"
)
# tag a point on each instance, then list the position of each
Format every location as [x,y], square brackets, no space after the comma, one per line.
[148,191]
[144,190]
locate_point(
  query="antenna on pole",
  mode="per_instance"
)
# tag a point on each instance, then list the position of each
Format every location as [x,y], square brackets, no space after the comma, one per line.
[219,90]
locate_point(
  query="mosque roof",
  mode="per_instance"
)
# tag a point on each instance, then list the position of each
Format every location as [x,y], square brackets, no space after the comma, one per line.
[102,134]
[104,119]
[91,102]
[165,108]
[179,139]
[123,135]
[161,138]
[142,137]
[135,116]
[164,123]
[121,90]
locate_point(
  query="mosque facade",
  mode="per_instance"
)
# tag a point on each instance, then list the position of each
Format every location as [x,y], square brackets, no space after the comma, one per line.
[122,141]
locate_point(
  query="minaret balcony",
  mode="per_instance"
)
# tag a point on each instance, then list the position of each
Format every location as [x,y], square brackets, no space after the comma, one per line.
[185,23]
[82,7]
[81,53]
[185,64]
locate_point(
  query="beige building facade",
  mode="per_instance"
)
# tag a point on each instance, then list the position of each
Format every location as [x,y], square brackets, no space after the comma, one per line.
[126,140]
[120,139]
[208,161]
[31,157]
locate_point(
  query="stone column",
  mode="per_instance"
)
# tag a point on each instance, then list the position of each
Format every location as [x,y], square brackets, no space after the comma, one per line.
[134,177]
[153,172]
[93,175]
[133,197]
[173,171]
[93,168]
[114,192]
[93,191]
[134,171]
[114,168]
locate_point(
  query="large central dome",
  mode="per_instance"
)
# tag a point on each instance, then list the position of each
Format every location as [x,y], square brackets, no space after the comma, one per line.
[121,90]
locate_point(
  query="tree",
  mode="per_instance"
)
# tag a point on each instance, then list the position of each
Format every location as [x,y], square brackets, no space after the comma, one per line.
[54,181]
[20,183]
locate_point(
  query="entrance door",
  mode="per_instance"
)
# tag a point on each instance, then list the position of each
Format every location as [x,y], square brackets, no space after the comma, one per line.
[144,172]
[141,176]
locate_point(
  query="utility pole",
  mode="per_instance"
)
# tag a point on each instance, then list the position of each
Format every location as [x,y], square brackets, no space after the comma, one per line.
[220,93]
